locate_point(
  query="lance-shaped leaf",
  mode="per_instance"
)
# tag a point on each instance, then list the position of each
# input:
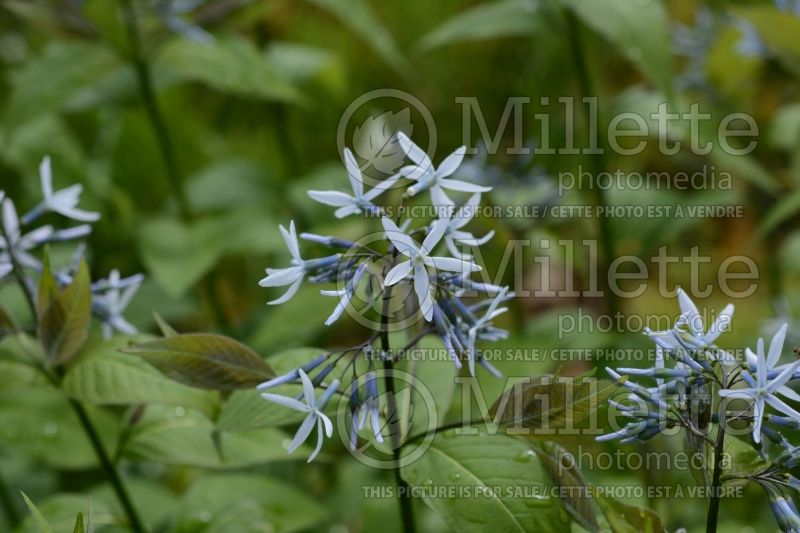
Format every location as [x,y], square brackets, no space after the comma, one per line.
[640,30]
[65,316]
[628,519]
[79,527]
[42,525]
[103,376]
[7,323]
[205,360]
[551,404]
[561,467]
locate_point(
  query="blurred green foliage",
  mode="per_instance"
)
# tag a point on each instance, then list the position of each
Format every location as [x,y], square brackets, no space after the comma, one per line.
[251,121]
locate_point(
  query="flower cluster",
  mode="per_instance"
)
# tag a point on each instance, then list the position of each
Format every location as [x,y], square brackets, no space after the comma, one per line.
[19,240]
[431,261]
[692,375]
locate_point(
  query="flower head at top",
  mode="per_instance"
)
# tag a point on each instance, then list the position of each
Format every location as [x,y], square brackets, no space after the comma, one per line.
[359,201]
[63,202]
[762,390]
[435,179]
[419,258]
[689,331]
[313,408]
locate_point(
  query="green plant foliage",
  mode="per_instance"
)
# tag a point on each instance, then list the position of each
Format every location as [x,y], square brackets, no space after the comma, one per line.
[552,403]
[472,463]
[205,360]
[104,376]
[506,18]
[640,31]
[65,316]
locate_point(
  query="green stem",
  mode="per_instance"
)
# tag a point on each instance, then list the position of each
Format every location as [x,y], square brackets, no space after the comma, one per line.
[105,462]
[9,506]
[404,493]
[16,268]
[716,477]
[145,79]
[166,146]
[596,162]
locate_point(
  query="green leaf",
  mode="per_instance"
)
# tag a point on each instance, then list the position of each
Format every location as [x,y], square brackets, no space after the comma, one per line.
[166,329]
[49,82]
[188,439]
[784,209]
[229,184]
[777,29]
[437,376]
[106,377]
[246,504]
[740,457]
[561,467]
[302,63]
[64,324]
[552,404]
[16,376]
[628,519]
[784,130]
[60,510]
[43,427]
[640,29]
[178,254]
[231,65]
[7,323]
[506,18]
[48,288]
[205,360]
[79,527]
[359,18]
[517,486]
[42,525]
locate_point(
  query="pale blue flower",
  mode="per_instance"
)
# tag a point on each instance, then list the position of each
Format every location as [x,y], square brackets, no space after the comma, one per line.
[455,235]
[293,375]
[173,14]
[789,6]
[111,304]
[464,284]
[482,328]
[773,355]
[435,179]
[12,240]
[419,258]
[63,202]
[293,276]
[762,390]
[359,201]
[313,407]
[345,294]
[689,332]
[370,408]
